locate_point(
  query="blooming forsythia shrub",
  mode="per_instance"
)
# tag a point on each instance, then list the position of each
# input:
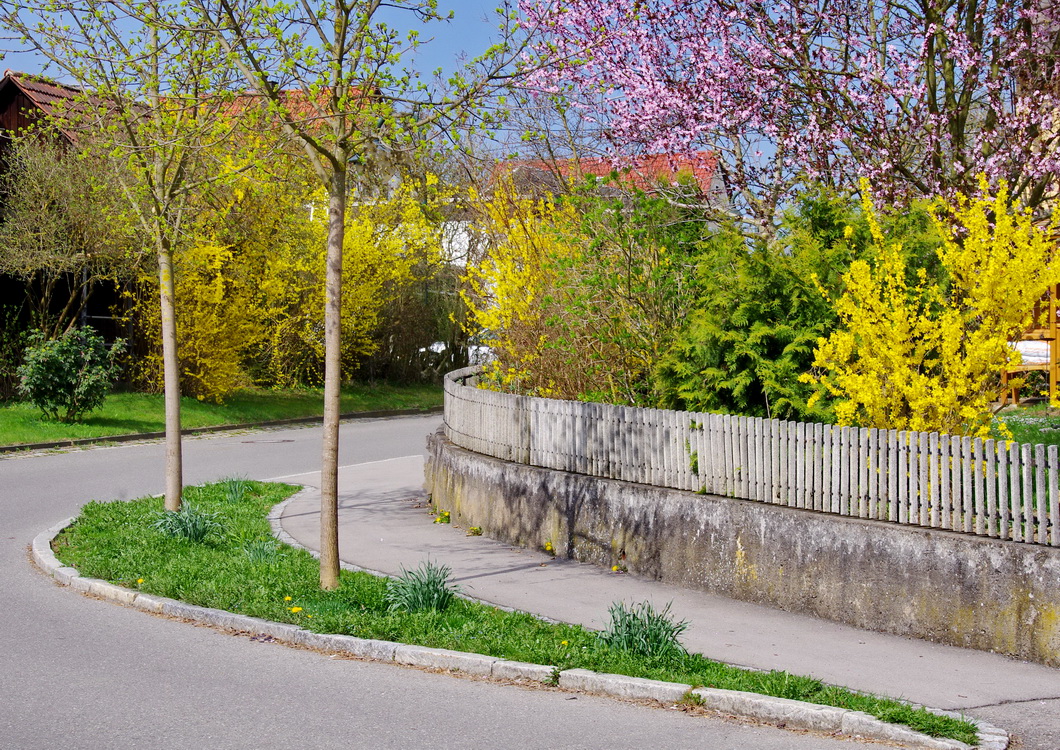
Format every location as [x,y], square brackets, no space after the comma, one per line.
[914,353]
[218,321]
[508,289]
[251,291]
[581,294]
[385,240]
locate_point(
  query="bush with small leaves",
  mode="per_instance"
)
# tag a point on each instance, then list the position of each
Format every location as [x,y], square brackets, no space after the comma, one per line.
[188,523]
[426,588]
[642,630]
[68,376]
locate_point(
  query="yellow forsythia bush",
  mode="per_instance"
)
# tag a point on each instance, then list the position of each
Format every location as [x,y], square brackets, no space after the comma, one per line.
[507,290]
[218,321]
[385,240]
[914,354]
[250,300]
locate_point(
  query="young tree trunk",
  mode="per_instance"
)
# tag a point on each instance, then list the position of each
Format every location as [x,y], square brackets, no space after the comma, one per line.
[171,378]
[329,468]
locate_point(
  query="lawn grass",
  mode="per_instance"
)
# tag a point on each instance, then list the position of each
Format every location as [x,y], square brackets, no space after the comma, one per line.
[243,570]
[1033,423]
[125,413]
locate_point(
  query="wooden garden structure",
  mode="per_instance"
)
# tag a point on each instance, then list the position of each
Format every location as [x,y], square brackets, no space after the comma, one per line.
[1044,328]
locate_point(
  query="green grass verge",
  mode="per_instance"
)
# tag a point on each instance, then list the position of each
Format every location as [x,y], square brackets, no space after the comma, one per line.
[242,570]
[125,413]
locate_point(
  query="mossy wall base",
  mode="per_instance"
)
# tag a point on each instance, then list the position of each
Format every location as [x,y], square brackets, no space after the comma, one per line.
[942,586]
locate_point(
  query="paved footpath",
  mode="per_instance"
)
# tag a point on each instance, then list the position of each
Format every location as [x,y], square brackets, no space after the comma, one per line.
[385,524]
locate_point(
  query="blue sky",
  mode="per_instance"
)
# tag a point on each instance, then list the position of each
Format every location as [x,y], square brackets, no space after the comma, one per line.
[471,31]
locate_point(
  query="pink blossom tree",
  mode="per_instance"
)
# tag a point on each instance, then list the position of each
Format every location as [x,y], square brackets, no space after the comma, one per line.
[920,96]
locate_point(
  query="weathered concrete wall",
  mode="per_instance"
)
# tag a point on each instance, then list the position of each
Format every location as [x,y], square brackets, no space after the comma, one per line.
[938,585]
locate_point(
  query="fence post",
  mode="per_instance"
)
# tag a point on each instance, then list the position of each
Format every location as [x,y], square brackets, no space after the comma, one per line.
[780,462]
[914,477]
[759,460]
[1015,475]
[1054,498]
[815,467]
[946,474]
[1027,499]
[903,477]
[1040,509]
[979,507]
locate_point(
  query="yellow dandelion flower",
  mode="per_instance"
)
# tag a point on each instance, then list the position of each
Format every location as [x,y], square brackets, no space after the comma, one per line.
[287,598]
[295,609]
[614,568]
[564,643]
[139,581]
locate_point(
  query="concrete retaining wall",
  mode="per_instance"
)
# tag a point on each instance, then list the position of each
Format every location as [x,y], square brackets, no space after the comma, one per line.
[943,586]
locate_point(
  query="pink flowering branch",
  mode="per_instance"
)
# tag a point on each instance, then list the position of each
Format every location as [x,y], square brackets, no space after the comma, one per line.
[918,96]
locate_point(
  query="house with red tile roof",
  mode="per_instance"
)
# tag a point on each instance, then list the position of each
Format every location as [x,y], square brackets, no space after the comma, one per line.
[26,100]
[652,173]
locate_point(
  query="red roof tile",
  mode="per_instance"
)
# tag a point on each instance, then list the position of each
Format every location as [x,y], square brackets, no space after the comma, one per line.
[52,99]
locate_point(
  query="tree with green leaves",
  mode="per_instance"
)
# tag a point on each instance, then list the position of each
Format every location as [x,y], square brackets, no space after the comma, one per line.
[153,98]
[333,75]
[762,308]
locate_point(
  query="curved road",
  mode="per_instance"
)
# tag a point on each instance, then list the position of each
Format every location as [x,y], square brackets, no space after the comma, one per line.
[82,673]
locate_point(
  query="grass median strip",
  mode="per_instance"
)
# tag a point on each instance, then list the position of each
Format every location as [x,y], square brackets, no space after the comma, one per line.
[239,567]
[124,413]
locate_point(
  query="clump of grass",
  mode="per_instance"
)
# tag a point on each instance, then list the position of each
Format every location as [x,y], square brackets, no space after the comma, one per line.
[641,630]
[261,550]
[188,523]
[691,700]
[425,588]
[235,489]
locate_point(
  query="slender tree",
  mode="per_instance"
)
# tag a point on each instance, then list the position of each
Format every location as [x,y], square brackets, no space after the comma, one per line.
[332,74]
[149,95]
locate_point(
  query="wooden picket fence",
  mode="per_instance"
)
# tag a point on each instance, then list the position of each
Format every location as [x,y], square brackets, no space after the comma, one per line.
[991,488]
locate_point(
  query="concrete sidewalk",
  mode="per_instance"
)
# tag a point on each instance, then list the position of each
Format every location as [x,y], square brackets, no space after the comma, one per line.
[385,524]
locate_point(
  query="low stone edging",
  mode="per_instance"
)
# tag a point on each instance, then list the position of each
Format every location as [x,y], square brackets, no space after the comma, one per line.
[789,713]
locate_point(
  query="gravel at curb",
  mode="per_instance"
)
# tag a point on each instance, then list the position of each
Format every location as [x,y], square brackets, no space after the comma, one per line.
[779,711]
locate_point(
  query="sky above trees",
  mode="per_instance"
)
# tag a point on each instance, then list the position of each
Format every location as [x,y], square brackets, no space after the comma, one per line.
[472,30]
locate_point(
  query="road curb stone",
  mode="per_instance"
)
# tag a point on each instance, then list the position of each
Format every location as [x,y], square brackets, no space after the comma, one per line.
[622,686]
[521,670]
[780,710]
[788,713]
[443,658]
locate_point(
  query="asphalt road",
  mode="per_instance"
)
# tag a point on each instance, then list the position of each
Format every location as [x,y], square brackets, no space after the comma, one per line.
[82,673]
